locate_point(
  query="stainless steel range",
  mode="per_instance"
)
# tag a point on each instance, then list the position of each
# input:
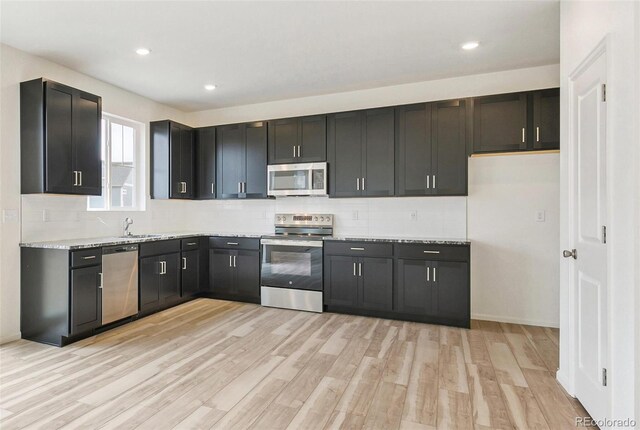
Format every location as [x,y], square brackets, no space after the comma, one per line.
[292,262]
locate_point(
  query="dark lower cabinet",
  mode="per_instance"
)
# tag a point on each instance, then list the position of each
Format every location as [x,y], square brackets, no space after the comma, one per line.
[234,274]
[190,272]
[86,299]
[159,281]
[376,283]
[340,281]
[414,294]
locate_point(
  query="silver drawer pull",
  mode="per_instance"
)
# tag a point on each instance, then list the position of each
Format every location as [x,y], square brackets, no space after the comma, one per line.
[431,252]
[357,249]
[89,257]
[191,243]
[232,243]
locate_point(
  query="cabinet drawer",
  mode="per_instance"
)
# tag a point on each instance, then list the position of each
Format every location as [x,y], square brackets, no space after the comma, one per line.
[234,243]
[190,243]
[86,257]
[159,247]
[358,249]
[433,252]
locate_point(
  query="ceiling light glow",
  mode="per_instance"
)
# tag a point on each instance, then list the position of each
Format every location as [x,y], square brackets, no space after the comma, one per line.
[143,51]
[468,46]
[209,87]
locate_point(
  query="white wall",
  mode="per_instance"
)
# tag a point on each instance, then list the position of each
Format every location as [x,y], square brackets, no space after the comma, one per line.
[68,215]
[583,25]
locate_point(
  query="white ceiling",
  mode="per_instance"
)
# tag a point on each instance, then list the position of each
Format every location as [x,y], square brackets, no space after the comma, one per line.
[262,51]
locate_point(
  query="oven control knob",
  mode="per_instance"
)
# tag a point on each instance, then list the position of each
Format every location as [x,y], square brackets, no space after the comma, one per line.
[315,218]
[328,218]
[278,218]
[321,218]
[284,218]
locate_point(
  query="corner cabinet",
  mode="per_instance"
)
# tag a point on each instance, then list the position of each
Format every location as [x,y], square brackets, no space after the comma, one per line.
[431,152]
[360,149]
[172,161]
[298,140]
[60,139]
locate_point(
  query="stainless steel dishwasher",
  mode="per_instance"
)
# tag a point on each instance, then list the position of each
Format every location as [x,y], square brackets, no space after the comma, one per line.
[119,282]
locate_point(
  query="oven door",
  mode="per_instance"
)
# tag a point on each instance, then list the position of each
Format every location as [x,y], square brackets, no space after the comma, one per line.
[308,179]
[292,264]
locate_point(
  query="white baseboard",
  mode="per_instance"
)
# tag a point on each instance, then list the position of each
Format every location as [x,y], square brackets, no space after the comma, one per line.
[511,320]
[10,338]
[563,380]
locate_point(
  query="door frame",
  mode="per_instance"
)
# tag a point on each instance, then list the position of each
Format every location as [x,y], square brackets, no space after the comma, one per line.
[566,374]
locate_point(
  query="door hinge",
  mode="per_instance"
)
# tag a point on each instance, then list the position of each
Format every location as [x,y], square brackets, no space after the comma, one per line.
[604,377]
[604,92]
[604,234]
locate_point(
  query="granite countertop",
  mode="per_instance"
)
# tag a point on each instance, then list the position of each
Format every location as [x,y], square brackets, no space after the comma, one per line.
[428,241]
[115,240]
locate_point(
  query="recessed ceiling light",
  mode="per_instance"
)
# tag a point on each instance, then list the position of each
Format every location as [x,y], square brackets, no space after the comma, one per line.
[468,46]
[209,87]
[143,51]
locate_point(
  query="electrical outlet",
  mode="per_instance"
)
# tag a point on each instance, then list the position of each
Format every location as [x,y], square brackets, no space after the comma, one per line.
[413,215]
[540,216]
[354,215]
[45,216]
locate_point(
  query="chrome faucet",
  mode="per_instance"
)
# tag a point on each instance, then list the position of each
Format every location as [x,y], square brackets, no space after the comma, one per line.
[127,223]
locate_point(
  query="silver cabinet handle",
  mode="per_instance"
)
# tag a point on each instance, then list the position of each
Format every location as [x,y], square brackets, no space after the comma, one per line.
[234,261]
[354,269]
[362,184]
[434,274]
[359,269]
[184,263]
[428,178]
[163,267]
[428,271]
[358,184]
[537,134]
[185,187]
[434,182]
[298,151]
[239,187]
[357,249]
[80,174]
[213,187]
[101,280]
[522,134]
[231,261]
[431,252]
[243,187]
[89,257]
[294,151]
[75,178]
[232,243]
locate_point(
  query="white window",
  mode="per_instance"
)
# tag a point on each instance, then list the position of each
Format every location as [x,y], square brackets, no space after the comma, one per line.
[122,166]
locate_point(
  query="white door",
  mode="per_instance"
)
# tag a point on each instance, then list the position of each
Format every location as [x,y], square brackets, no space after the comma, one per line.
[588,171]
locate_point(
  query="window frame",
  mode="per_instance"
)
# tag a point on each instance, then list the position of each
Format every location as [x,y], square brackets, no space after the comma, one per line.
[139,187]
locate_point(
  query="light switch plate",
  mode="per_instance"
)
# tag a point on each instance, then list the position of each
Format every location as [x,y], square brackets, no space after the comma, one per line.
[413,215]
[540,216]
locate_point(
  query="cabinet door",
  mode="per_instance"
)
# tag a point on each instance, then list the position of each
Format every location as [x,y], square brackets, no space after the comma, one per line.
[378,153]
[313,139]
[452,289]
[414,293]
[190,269]
[87,116]
[413,163]
[175,150]
[149,283]
[59,169]
[221,273]
[206,157]
[499,123]
[256,160]
[546,119]
[230,160]
[86,299]
[170,279]
[187,162]
[376,283]
[345,154]
[284,140]
[247,268]
[340,281]
[449,168]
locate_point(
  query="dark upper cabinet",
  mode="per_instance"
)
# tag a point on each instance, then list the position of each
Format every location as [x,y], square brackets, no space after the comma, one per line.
[449,148]
[60,139]
[546,119]
[86,299]
[241,161]
[205,143]
[235,274]
[361,153]
[190,272]
[517,121]
[500,123]
[172,161]
[298,140]
[414,153]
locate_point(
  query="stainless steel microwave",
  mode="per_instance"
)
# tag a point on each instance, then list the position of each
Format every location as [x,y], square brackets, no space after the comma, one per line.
[306,179]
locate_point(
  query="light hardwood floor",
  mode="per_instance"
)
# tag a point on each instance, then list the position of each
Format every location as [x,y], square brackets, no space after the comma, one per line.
[216,364]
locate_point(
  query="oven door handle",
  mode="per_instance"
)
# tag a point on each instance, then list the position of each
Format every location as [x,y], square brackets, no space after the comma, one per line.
[286,242]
